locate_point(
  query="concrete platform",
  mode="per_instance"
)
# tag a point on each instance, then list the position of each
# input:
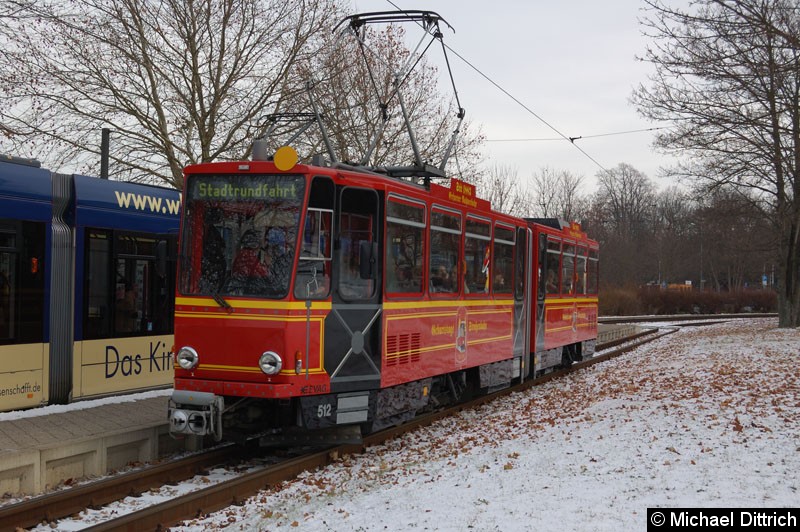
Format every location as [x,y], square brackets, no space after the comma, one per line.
[609,333]
[40,452]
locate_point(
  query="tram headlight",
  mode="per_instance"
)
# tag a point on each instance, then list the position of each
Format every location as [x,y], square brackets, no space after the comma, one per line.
[187,358]
[270,363]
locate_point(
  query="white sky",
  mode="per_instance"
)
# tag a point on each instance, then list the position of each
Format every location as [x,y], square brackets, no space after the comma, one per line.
[572,63]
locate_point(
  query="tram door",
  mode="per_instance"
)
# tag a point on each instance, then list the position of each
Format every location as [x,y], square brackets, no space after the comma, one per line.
[352,329]
[520,285]
[542,286]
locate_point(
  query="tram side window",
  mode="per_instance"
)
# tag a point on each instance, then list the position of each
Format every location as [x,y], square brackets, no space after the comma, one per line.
[552,266]
[22,282]
[313,279]
[405,225]
[8,268]
[445,235]
[123,276]
[503,261]
[98,312]
[519,262]
[580,272]
[592,274]
[568,269]
[356,240]
[477,256]
[355,229]
[128,306]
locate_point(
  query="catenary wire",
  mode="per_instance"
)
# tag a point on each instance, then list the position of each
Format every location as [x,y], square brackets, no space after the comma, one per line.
[572,139]
[517,101]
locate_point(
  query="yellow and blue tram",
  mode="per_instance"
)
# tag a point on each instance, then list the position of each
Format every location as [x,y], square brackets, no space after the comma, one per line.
[87,276]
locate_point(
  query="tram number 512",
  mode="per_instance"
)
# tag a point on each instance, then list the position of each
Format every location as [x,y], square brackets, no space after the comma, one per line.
[324,410]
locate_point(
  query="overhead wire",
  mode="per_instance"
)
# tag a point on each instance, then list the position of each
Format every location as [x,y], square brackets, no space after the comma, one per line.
[528,109]
[561,136]
[573,139]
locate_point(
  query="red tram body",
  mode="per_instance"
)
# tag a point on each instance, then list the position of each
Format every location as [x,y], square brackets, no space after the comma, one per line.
[340,301]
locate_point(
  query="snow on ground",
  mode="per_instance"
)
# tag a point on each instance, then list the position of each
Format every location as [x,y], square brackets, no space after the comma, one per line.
[91,517]
[705,417]
[81,405]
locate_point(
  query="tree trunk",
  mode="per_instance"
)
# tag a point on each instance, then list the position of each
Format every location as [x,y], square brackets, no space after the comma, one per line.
[788,286]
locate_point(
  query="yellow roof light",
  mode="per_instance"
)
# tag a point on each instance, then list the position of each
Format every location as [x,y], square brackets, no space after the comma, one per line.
[285,158]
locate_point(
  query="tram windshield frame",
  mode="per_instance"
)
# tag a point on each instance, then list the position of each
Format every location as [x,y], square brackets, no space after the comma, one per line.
[239,234]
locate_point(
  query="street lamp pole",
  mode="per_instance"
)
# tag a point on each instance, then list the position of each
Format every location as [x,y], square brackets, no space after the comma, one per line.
[105,143]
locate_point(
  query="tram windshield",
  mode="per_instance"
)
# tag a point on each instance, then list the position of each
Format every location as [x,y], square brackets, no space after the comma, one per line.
[239,234]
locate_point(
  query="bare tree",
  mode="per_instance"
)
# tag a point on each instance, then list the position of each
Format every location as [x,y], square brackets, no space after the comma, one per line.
[350,87]
[626,196]
[557,193]
[619,217]
[177,82]
[734,240]
[728,77]
[673,252]
[12,14]
[500,185]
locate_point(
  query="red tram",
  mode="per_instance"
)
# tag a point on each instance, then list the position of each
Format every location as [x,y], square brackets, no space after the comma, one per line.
[326,302]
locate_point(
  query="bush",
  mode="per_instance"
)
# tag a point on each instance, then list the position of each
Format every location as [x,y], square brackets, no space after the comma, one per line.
[652,300]
[619,302]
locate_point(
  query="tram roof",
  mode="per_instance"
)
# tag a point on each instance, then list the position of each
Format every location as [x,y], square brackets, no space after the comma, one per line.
[25,191]
[121,205]
[458,193]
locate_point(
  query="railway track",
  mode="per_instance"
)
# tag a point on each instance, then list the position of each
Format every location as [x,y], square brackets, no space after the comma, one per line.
[70,501]
[207,500]
[681,317]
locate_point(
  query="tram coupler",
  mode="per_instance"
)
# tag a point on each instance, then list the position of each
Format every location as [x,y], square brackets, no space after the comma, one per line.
[196,413]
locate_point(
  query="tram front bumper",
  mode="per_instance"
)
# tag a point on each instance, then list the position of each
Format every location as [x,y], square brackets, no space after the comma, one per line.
[196,413]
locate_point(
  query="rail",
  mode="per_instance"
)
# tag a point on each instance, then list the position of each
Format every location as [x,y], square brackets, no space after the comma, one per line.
[680,317]
[60,504]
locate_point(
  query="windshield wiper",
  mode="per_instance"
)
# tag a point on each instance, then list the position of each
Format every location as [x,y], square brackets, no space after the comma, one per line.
[222,303]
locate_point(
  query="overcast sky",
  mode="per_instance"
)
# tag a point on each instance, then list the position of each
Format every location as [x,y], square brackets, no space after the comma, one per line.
[572,63]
